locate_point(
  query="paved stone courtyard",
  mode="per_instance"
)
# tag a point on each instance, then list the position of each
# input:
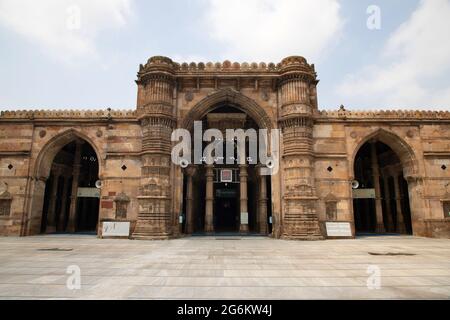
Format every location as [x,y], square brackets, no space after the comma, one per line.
[224,268]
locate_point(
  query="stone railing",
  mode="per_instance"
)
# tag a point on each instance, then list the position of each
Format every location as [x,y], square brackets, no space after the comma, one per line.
[226,66]
[67,114]
[385,114]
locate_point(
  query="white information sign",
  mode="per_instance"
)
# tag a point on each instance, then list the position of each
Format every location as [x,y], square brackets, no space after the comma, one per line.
[88,193]
[338,229]
[115,229]
[244,217]
[364,194]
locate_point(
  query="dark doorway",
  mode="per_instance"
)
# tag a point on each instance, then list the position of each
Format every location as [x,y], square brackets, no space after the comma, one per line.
[59,192]
[381,199]
[226,207]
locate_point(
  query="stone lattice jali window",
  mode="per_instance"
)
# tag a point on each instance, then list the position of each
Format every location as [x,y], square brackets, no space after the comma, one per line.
[446,207]
[5,204]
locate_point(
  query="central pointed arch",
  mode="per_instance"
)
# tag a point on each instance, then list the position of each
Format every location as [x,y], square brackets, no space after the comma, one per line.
[238,204]
[232,97]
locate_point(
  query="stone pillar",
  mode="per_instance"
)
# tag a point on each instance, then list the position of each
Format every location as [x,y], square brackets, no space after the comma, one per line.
[156,112]
[297,107]
[418,205]
[51,213]
[376,182]
[243,199]
[387,198]
[71,226]
[190,171]
[401,228]
[262,204]
[65,196]
[209,217]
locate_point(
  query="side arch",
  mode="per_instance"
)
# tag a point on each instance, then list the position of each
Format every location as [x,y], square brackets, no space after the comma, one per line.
[403,150]
[40,172]
[45,158]
[237,99]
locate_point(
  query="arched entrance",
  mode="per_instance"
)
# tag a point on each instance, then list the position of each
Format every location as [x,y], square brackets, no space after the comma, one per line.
[72,178]
[222,197]
[381,202]
[65,197]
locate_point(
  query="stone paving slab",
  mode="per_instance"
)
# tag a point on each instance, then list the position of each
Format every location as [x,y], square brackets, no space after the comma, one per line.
[218,268]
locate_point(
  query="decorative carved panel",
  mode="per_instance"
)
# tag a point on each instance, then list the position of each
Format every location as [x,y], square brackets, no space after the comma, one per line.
[331,210]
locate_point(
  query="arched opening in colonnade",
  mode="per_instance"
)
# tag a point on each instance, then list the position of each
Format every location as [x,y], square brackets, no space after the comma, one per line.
[71,199]
[381,201]
[225,198]
[65,197]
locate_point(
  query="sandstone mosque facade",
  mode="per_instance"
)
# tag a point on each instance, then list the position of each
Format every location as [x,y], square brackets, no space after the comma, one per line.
[374,171]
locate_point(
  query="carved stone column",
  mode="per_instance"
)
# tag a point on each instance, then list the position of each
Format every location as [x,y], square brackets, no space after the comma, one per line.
[400,225]
[296,85]
[387,198]
[190,171]
[71,226]
[65,196]
[209,199]
[243,177]
[376,181]
[156,83]
[51,213]
[262,203]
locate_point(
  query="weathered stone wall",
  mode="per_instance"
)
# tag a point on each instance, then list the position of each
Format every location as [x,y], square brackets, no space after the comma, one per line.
[15,146]
[420,139]
[30,140]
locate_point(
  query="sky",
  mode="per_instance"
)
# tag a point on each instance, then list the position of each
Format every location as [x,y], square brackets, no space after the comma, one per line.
[84,54]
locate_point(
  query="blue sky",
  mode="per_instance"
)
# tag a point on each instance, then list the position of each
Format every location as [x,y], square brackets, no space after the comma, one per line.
[84,54]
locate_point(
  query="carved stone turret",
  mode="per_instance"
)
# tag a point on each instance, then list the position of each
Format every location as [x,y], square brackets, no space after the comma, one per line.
[157,116]
[297,107]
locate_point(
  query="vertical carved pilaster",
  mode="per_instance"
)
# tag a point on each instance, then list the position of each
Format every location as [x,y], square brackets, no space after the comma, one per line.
[190,221]
[243,177]
[209,199]
[300,220]
[262,203]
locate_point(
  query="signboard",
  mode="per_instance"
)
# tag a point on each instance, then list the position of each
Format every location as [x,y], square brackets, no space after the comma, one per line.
[88,193]
[115,229]
[363,193]
[226,193]
[226,175]
[338,229]
[244,217]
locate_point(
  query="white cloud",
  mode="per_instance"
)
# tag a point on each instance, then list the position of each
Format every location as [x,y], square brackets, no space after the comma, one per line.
[52,24]
[257,30]
[412,71]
